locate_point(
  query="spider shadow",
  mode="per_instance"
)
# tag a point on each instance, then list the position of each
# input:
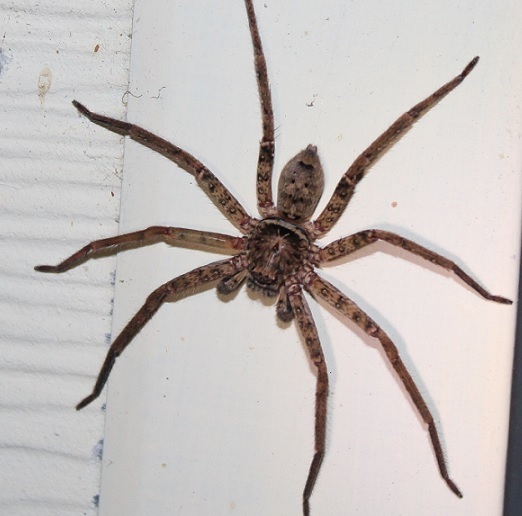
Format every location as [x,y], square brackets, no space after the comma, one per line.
[373,343]
[384,322]
[402,254]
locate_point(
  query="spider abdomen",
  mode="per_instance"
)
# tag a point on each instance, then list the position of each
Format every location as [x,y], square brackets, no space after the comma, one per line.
[301,186]
[276,249]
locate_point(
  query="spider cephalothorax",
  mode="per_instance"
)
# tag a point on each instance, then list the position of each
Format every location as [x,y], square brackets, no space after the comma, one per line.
[276,249]
[277,254]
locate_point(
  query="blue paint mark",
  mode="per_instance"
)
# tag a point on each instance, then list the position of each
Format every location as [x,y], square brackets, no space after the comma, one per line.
[97,451]
[5,59]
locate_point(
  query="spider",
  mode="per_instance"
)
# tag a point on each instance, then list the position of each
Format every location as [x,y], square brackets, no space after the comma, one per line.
[277,255]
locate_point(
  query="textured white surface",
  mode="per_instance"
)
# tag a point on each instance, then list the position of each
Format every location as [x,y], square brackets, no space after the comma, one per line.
[59,188]
[210,409]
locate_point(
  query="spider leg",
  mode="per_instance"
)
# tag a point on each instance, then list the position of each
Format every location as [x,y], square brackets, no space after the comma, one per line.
[347,245]
[209,183]
[323,289]
[346,186]
[308,329]
[173,236]
[265,162]
[181,285]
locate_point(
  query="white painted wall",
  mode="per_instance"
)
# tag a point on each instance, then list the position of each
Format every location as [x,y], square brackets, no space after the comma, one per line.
[59,188]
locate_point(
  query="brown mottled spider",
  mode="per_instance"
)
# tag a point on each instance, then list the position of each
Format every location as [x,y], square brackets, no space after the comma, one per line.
[277,255]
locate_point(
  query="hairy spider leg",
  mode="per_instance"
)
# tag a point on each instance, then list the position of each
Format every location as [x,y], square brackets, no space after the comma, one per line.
[308,330]
[347,245]
[172,235]
[182,285]
[344,306]
[209,183]
[346,186]
[265,163]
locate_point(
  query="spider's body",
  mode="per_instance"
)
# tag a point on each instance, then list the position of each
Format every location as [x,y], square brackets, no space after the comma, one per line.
[277,248]
[277,254]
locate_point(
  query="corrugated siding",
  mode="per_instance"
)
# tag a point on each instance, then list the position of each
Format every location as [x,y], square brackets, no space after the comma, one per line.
[54,329]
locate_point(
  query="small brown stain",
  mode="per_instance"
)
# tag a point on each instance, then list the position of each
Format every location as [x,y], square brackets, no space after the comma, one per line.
[45,79]
[394,204]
